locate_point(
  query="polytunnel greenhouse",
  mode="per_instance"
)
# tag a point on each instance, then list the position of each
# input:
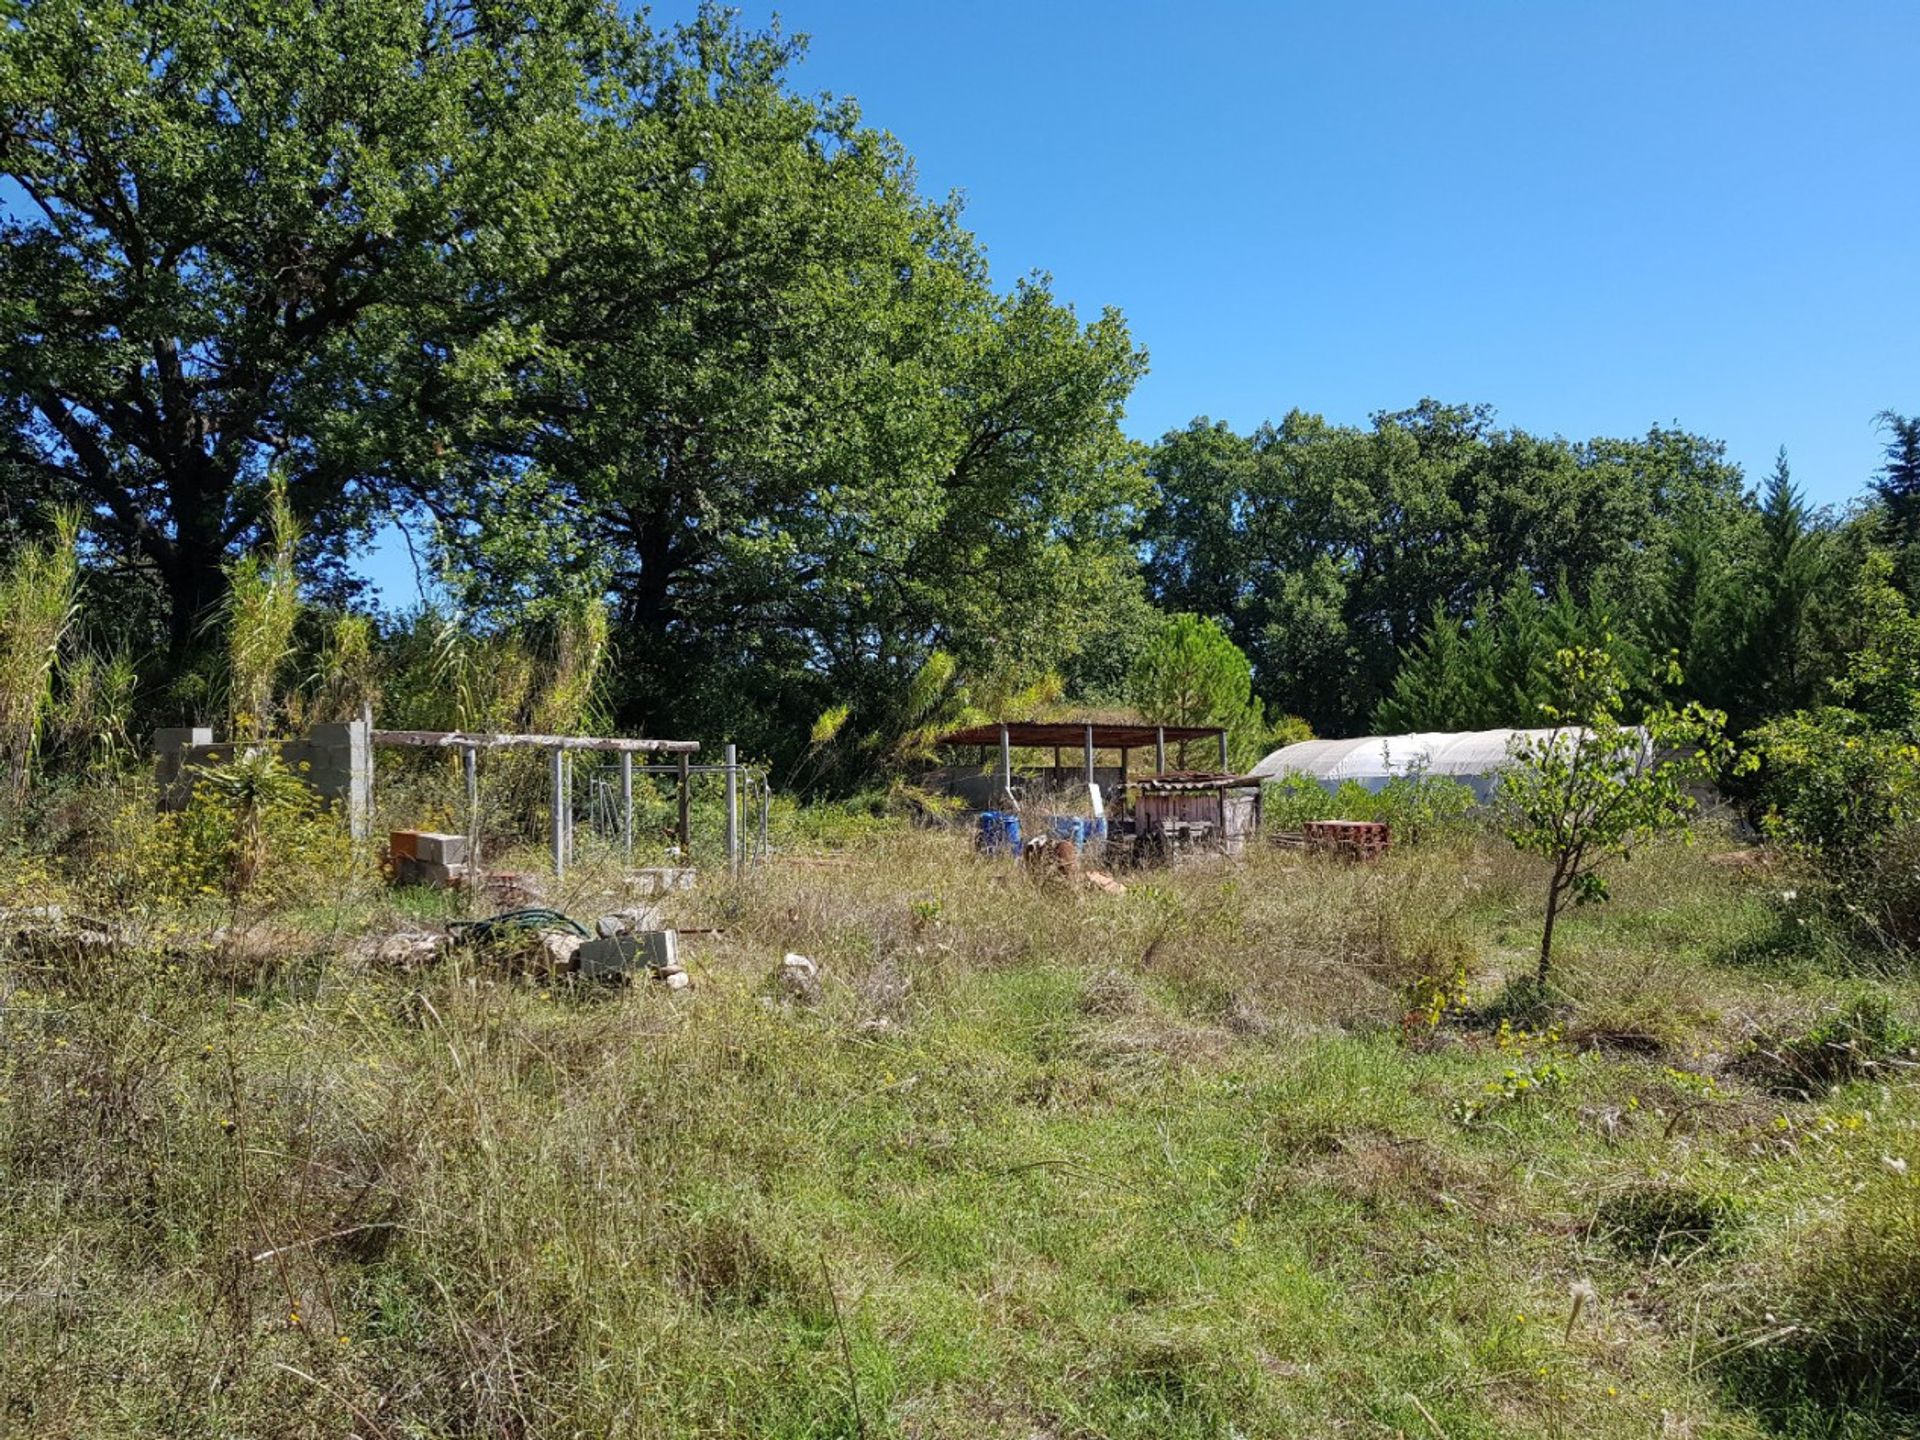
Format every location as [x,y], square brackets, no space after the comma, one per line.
[1473,757]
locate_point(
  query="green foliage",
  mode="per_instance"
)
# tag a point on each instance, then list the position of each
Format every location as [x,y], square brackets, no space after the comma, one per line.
[1898,488]
[252,829]
[1841,783]
[261,609]
[1420,808]
[1190,673]
[1496,668]
[1840,1327]
[1592,788]
[1856,1042]
[251,248]
[1326,550]
[38,591]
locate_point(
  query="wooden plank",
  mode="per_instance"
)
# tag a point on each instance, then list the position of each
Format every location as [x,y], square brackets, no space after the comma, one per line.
[457,739]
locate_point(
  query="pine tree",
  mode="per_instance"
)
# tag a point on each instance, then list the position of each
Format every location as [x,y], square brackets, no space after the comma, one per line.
[1898,485]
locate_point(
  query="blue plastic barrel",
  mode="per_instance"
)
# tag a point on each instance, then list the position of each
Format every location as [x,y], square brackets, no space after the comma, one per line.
[1068,827]
[999,832]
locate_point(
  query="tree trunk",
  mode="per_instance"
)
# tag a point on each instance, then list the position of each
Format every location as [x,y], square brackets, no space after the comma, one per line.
[1556,890]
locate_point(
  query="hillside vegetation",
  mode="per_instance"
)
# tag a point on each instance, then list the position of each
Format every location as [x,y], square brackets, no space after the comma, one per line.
[1250,1150]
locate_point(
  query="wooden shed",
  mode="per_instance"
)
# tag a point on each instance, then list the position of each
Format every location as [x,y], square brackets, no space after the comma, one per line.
[1198,811]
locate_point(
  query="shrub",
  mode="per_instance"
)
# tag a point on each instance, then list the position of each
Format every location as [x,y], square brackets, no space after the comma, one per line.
[1419,807]
[251,828]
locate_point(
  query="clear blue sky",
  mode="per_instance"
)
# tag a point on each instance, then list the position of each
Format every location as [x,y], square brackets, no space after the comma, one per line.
[1594,217]
[1591,216]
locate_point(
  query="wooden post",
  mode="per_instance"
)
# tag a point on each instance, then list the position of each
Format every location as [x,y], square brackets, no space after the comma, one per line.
[626,805]
[733,811]
[557,776]
[1006,765]
[1223,751]
[1160,750]
[470,765]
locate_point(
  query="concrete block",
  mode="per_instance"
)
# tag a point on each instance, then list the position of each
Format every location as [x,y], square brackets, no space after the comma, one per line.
[431,846]
[617,955]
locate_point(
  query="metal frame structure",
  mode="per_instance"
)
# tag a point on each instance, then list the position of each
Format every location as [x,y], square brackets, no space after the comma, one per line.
[562,748]
[1090,735]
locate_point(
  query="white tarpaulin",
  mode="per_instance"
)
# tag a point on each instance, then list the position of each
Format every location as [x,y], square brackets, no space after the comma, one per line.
[1473,757]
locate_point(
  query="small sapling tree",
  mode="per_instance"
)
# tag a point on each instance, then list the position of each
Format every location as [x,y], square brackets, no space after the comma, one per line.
[1591,788]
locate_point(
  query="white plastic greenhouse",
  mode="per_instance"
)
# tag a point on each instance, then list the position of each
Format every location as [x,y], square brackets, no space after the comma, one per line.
[1473,757]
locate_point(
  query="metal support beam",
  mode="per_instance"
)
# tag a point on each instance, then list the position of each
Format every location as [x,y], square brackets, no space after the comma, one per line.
[733,810]
[626,805]
[1006,765]
[685,831]
[470,766]
[1160,750]
[1089,757]
[557,777]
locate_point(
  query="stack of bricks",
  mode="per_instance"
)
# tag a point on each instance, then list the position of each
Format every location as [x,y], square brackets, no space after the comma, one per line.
[1351,839]
[425,857]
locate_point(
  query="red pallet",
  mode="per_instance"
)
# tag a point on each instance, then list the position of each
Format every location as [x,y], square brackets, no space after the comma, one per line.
[1352,839]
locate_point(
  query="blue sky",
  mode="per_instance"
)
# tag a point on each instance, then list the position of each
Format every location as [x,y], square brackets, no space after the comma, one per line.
[1594,217]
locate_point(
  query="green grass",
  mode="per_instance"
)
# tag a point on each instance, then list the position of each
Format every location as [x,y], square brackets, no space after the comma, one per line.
[1041,1163]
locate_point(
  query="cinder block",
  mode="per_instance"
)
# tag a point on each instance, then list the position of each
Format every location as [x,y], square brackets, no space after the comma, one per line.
[623,954]
[430,846]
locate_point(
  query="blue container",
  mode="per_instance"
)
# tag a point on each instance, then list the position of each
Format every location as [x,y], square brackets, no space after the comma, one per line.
[1068,827]
[1097,830]
[999,832]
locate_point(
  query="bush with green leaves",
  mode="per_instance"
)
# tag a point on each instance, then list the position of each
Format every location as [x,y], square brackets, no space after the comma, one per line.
[1418,807]
[1840,785]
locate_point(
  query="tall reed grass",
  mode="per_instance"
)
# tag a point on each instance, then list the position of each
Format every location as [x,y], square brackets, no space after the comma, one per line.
[38,599]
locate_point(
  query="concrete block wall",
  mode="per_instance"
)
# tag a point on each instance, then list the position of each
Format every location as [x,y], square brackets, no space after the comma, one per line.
[335,759]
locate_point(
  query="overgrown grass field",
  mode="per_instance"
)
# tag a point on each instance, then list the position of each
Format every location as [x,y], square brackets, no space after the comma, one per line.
[1251,1150]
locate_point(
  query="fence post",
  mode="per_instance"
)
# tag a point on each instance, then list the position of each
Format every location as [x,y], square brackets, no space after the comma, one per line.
[686,802]
[1160,750]
[733,811]
[557,775]
[470,764]
[626,805]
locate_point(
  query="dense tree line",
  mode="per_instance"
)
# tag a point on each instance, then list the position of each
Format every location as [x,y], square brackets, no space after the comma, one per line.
[647,347]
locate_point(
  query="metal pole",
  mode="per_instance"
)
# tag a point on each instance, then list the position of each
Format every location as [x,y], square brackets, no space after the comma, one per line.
[1089,757]
[556,774]
[733,812]
[470,764]
[1006,765]
[686,801]
[566,800]
[766,816]
[1223,752]
[626,804]
[1160,750]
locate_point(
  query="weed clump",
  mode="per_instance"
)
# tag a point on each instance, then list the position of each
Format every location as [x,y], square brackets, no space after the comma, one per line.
[1663,1221]
[1847,1046]
[1839,1342]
